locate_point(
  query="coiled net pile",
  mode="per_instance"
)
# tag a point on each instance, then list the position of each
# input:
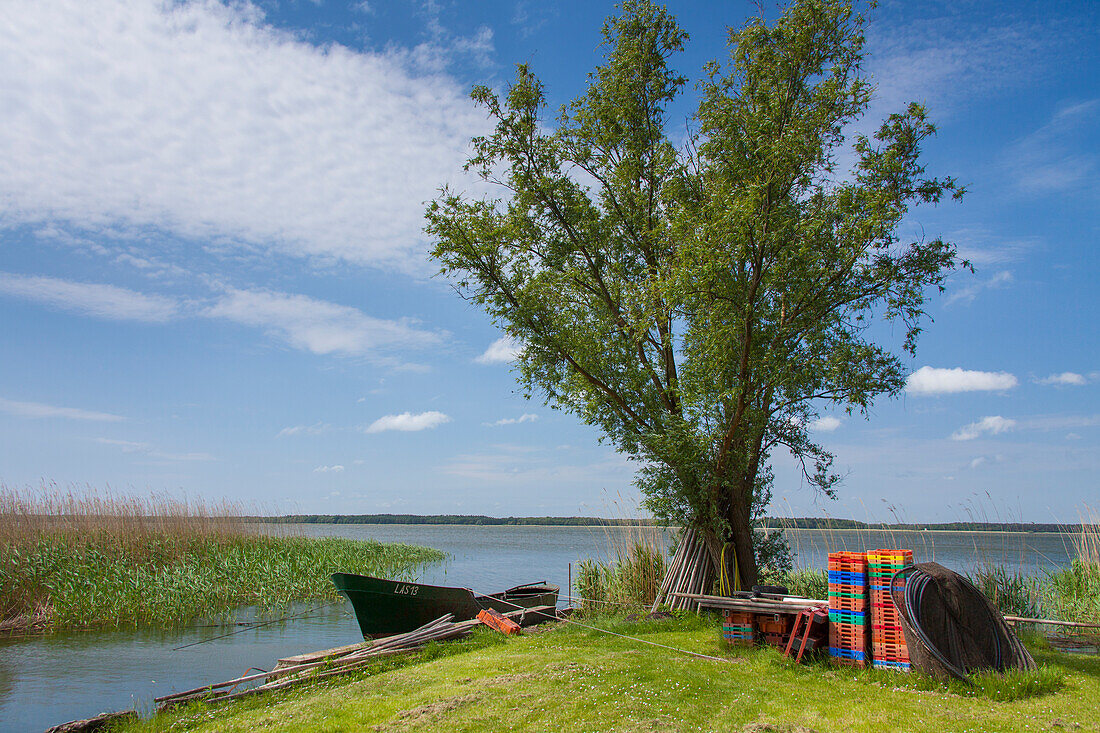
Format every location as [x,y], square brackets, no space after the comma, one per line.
[950,627]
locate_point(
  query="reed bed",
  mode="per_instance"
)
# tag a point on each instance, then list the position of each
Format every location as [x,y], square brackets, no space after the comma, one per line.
[630,575]
[72,560]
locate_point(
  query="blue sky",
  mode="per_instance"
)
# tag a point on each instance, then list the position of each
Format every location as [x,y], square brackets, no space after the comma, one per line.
[213,279]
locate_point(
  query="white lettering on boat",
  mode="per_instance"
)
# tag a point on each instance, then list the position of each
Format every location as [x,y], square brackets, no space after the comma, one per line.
[406,590]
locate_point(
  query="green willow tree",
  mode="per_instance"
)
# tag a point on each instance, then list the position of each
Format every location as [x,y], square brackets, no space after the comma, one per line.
[702,307]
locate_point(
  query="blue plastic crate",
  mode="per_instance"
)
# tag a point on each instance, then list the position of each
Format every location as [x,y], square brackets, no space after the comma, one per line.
[854,618]
[897,666]
[841,577]
[847,654]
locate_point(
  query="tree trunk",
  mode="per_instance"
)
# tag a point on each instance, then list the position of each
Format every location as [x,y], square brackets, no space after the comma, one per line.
[741,537]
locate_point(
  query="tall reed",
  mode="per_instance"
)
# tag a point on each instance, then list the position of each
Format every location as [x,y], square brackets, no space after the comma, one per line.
[72,560]
[1074,592]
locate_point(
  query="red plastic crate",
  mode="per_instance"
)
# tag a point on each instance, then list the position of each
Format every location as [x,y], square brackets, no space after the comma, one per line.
[889,634]
[885,614]
[740,618]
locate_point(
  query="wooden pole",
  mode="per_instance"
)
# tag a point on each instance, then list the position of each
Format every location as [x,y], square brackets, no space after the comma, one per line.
[1050,622]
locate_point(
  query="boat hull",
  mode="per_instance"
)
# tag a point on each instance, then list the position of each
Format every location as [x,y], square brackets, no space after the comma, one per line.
[393,607]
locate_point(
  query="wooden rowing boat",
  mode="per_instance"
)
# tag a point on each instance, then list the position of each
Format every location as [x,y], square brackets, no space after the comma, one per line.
[393,607]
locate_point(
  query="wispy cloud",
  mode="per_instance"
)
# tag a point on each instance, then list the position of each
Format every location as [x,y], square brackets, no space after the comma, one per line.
[520,467]
[409,422]
[501,351]
[984,249]
[935,381]
[201,120]
[525,417]
[315,429]
[319,326]
[329,469]
[996,424]
[935,57]
[970,292]
[1058,157]
[92,299]
[129,446]
[38,410]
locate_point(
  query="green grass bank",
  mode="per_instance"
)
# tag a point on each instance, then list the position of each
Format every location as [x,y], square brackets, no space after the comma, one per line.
[74,562]
[568,678]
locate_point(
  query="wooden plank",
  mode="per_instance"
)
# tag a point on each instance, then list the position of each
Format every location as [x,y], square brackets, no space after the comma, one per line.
[530,616]
[757,605]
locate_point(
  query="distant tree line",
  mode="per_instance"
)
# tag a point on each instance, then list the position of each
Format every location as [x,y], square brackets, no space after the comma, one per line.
[766,523]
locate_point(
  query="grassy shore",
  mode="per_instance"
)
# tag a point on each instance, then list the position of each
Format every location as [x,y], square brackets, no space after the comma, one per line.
[574,679]
[77,561]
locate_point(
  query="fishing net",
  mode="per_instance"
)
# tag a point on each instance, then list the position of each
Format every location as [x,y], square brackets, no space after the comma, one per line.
[950,627]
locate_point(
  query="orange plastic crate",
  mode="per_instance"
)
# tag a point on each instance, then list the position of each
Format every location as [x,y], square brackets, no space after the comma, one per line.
[740,618]
[851,562]
[890,557]
[842,603]
[849,640]
[891,652]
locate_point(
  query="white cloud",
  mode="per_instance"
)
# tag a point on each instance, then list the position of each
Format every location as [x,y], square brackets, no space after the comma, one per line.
[1065,378]
[315,429]
[408,422]
[933,381]
[971,291]
[993,425]
[329,469]
[35,409]
[501,351]
[92,299]
[198,120]
[319,326]
[525,417]
[826,424]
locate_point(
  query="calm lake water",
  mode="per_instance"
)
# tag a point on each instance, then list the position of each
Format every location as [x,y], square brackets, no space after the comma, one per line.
[45,681]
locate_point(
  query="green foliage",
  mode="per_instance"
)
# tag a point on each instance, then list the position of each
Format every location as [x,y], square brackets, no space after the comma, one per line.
[632,580]
[1015,593]
[65,581]
[701,309]
[805,582]
[1073,594]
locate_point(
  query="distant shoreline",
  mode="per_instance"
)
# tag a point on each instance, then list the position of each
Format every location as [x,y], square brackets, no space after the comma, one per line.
[770,523]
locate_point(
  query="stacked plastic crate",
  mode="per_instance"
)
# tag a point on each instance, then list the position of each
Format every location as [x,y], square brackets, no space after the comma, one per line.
[849,640]
[887,638]
[775,628]
[737,628]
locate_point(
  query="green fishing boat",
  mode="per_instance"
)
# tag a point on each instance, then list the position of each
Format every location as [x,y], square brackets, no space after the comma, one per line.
[393,606]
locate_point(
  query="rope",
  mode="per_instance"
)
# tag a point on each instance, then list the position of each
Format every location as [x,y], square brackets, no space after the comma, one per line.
[256,626]
[724,588]
[621,636]
[610,603]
